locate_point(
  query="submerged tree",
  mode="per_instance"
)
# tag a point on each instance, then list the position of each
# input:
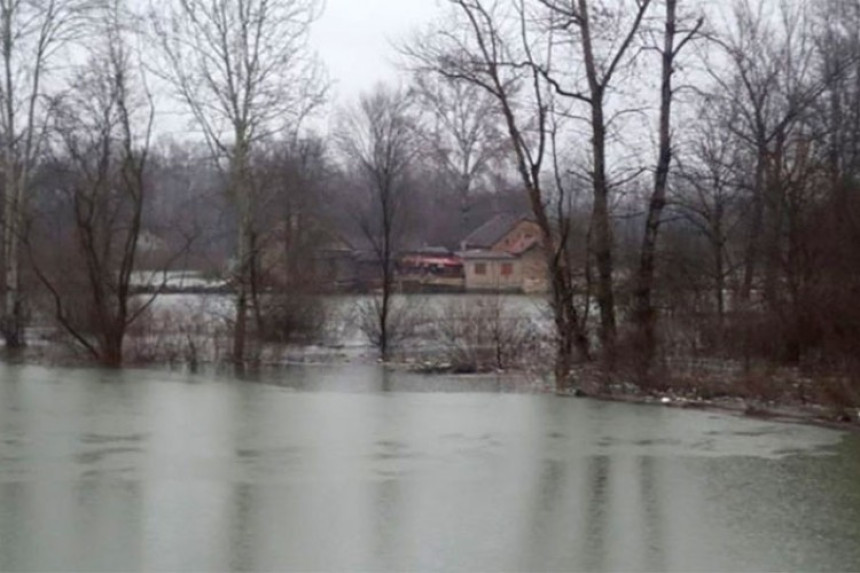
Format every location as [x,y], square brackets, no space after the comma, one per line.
[85,238]
[245,71]
[378,139]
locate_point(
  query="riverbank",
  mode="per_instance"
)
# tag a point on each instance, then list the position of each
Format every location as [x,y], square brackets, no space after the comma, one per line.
[782,394]
[813,415]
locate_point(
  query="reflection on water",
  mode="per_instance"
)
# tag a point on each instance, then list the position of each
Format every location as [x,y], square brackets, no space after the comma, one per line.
[320,469]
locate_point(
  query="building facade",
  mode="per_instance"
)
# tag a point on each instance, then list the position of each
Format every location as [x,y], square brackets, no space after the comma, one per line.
[491,271]
[505,254]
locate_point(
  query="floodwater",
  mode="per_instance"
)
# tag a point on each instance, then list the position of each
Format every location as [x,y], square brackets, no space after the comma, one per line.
[351,468]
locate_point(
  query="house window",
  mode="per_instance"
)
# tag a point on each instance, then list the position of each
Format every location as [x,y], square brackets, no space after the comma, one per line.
[480,268]
[507,269]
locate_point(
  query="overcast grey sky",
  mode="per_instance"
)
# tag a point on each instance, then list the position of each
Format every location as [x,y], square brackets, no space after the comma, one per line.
[353,39]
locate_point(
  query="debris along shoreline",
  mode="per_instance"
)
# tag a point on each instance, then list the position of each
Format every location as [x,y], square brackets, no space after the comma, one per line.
[782,394]
[811,415]
[760,395]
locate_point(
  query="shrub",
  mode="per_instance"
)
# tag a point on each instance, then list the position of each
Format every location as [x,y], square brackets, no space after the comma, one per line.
[292,318]
[483,334]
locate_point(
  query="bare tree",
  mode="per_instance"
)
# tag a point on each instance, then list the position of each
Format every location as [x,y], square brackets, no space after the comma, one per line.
[770,79]
[103,127]
[31,33]
[292,230]
[292,177]
[244,70]
[837,43]
[710,192]
[768,169]
[378,138]
[644,313]
[488,44]
[462,129]
[621,26]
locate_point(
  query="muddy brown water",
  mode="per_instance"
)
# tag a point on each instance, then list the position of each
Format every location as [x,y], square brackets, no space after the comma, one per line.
[351,468]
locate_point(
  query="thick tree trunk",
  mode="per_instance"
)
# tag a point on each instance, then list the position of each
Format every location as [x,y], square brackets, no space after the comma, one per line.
[111,355]
[645,315]
[602,233]
[12,304]
[244,255]
[599,78]
[11,318]
[601,229]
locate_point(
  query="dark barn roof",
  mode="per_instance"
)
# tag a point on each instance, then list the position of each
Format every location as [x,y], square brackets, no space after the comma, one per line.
[493,231]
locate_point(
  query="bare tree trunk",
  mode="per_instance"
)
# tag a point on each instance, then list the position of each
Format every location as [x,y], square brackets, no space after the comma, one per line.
[12,320]
[602,235]
[602,232]
[465,188]
[718,242]
[240,327]
[12,323]
[386,206]
[644,314]
[384,313]
[255,279]
[598,81]
[755,224]
[570,334]
[244,255]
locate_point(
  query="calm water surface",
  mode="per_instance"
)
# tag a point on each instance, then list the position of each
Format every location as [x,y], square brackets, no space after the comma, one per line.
[348,468]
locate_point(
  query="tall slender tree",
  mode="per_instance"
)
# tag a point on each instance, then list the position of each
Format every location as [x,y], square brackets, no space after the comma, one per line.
[644,313]
[31,34]
[378,139]
[245,71]
[601,67]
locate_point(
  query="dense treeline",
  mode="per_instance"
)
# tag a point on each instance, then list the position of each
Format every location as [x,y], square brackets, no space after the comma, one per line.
[694,169]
